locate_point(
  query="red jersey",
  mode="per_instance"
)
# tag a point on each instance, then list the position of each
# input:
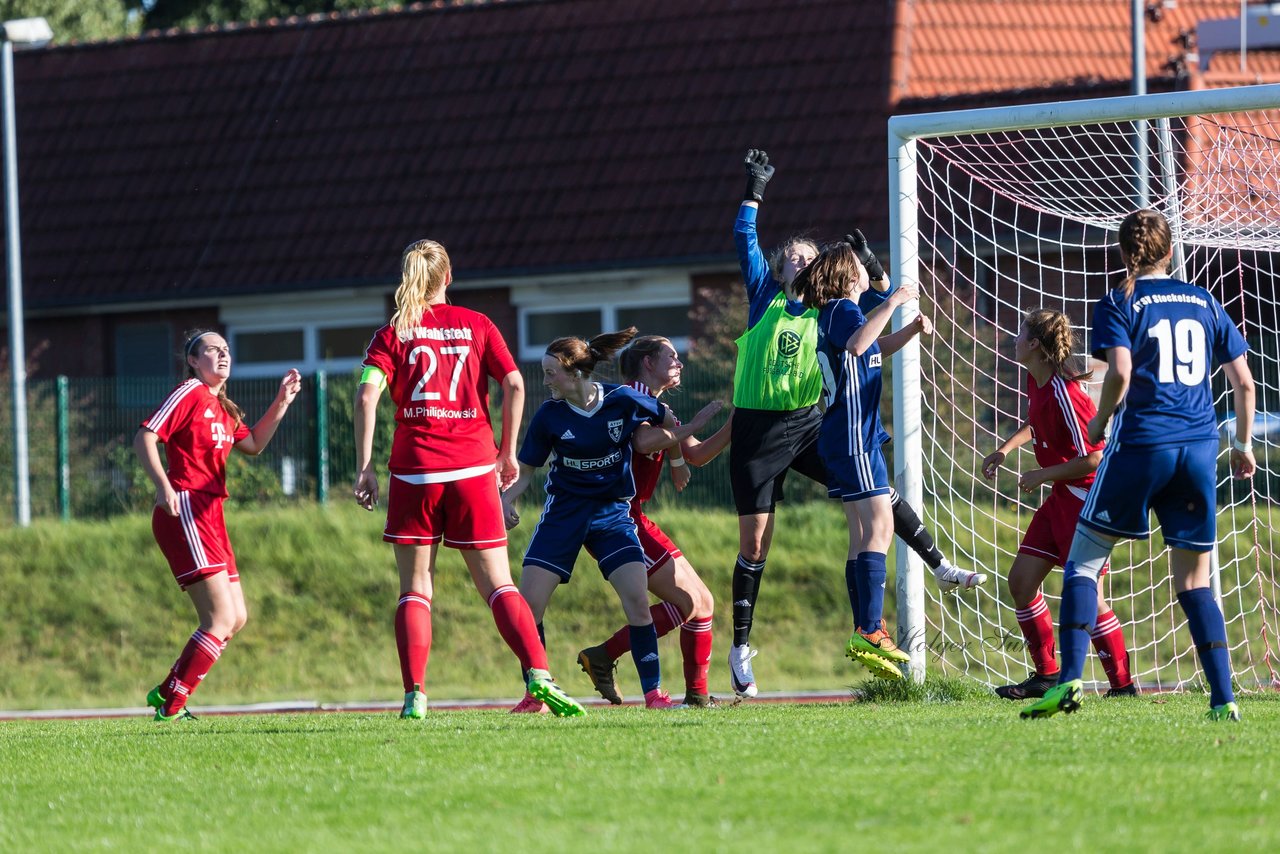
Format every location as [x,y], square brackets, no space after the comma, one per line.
[439,382]
[645,468]
[197,434]
[1059,414]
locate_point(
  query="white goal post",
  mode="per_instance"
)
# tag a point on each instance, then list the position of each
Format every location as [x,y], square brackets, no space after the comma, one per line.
[997,211]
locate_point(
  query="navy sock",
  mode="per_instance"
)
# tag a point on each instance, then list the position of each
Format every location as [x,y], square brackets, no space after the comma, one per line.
[851,582]
[1075,621]
[1209,631]
[644,652]
[870,572]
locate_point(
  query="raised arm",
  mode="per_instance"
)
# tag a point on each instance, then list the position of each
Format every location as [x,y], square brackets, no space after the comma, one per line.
[648,439]
[260,434]
[866,334]
[699,453]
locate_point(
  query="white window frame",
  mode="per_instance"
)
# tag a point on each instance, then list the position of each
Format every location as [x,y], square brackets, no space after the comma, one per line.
[310,316]
[606,298]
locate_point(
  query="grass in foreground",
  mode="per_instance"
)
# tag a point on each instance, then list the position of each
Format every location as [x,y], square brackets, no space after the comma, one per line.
[949,773]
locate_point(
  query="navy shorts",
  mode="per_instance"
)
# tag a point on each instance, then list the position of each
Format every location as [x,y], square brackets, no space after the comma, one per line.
[570,522]
[853,478]
[1178,483]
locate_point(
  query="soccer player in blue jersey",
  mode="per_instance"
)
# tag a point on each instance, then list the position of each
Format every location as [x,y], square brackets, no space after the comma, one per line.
[1160,337]
[851,348]
[776,418]
[588,429]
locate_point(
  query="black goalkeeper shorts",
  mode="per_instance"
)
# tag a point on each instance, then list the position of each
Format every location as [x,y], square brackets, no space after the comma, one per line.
[765,444]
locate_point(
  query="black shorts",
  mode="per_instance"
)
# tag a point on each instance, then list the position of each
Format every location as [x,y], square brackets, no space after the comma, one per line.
[764,444]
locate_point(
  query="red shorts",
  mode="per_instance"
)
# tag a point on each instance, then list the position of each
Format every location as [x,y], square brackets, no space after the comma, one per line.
[1053,527]
[658,547]
[466,514]
[195,541]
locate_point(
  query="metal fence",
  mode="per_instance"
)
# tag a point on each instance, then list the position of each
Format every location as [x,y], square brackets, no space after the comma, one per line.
[83,466]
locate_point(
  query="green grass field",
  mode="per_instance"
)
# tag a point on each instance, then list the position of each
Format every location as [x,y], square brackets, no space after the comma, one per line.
[1148,774]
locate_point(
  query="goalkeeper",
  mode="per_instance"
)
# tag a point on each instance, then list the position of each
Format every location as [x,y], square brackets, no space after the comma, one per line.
[775,425]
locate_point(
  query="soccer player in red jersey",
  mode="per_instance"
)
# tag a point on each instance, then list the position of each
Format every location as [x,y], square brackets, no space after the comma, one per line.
[199,425]
[445,470]
[1057,423]
[650,365]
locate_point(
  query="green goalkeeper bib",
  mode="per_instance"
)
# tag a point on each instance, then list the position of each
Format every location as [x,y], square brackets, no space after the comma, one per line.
[778,361]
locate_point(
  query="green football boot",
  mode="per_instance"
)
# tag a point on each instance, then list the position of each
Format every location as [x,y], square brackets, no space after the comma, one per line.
[1060,698]
[182,714]
[415,704]
[876,663]
[1225,712]
[543,687]
[154,700]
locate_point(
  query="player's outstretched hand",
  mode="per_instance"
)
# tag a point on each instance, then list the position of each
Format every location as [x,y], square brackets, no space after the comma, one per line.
[366,489]
[758,174]
[705,414]
[924,326]
[906,292]
[290,385]
[991,464]
[875,270]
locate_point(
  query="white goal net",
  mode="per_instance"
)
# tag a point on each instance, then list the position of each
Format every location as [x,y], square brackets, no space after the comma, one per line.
[1002,211]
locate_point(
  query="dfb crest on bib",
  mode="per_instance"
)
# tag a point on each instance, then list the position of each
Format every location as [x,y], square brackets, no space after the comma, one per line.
[615,430]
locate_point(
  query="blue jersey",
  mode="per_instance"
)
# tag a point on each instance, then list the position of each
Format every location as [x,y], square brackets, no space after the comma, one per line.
[851,384]
[1174,331]
[592,449]
[872,299]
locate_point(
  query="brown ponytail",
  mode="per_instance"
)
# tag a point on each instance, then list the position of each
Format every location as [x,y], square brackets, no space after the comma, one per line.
[1057,340]
[581,357]
[1145,242]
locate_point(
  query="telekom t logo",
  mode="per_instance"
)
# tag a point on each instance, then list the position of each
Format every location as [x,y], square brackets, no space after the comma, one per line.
[219,434]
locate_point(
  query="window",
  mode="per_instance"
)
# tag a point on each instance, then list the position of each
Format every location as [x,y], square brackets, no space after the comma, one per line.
[269,336]
[144,363]
[343,342]
[543,327]
[671,321]
[277,345]
[585,308]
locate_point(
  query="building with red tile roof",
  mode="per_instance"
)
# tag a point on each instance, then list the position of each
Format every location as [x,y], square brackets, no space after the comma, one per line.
[581,159]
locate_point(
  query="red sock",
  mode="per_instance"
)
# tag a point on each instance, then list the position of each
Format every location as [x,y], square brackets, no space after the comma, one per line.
[665,618]
[695,647]
[198,657]
[1108,640]
[413,638]
[1037,628]
[515,624]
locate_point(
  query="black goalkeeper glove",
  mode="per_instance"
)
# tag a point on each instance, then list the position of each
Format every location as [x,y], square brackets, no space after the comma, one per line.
[868,258]
[758,174]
